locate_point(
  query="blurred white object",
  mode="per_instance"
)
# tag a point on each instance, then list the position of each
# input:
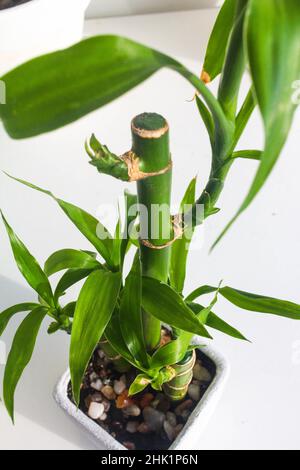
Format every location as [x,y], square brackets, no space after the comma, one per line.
[37,27]
[106,8]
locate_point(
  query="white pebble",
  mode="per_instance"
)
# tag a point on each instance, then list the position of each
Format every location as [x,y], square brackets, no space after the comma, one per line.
[169,429]
[96,410]
[93,377]
[119,386]
[200,373]
[171,418]
[132,410]
[103,417]
[194,392]
[132,426]
[97,385]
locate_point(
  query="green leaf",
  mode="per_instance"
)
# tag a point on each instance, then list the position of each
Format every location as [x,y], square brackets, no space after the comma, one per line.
[206,118]
[113,334]
[88,225]
[56,89]
[244,116]
[172,352]
[117,241]
[69,309]
[215,322]
[272,40]
[131,213]
[131,315]
[217,45]
[69,259]
[259,303]
[200,291]
[248,154]
[161,301]
[20,355]
[180,248]
[71,277]
[29,266]
[7,314]
[139,384]
[94,308]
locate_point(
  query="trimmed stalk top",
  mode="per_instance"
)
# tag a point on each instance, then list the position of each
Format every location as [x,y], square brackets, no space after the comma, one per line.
[150,126]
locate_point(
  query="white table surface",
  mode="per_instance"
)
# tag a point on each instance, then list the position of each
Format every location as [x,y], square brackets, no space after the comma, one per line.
[260,407]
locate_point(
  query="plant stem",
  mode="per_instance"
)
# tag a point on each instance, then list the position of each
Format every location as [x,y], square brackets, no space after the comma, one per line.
[150,136]
[177,388]
[119,362]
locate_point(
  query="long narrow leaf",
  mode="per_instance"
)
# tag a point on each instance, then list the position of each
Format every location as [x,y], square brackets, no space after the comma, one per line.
[88,225]
[94,308]
[215,322]
[29,266]
[180,247]
[71,277]
[161,301]
[272,40]
[7,314]
[20,355]
[131,316]
[216,48]
[260,303]
[69,259]
[56,89]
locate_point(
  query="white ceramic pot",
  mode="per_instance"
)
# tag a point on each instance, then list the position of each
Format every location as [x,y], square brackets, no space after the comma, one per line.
[188,439]
[38,27]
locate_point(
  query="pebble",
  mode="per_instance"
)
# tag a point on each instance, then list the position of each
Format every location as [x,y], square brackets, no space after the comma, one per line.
[144,428]
[132,410]
[108,392]
[103,417]
[169,430]
[93,377]
[153,418]
[98,397]
[123,379]
[194,392]
[97,385]
[146,400]
[164,403]
[96,410]
[129,445]
[123,400]
[132,426]
[185,405]
[201,373]
[106,405]
[119,386]
[171,418]
[117,425]
[101,354]
[185,414]
[178,429]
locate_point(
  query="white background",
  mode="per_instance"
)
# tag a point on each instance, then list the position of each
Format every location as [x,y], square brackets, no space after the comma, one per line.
[102,8]
[260,407]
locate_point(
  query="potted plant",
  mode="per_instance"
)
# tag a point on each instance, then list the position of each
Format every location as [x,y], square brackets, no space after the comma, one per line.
[32,27]
[139,376]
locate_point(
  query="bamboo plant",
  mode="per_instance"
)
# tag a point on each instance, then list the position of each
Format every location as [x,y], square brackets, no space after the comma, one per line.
[125,316]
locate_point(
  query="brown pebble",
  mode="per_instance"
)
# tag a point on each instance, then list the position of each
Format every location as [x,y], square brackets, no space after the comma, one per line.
[146,400]
[123,400]
[185,405]
[108,392]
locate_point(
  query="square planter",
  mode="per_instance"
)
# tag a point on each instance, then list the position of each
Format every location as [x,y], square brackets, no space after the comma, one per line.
[193,428]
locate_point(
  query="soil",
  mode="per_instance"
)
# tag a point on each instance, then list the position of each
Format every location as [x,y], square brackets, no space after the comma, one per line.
[115,420]
[11,3]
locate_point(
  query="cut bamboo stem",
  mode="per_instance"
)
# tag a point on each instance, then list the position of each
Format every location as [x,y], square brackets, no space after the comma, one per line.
[150,135]
[177,388]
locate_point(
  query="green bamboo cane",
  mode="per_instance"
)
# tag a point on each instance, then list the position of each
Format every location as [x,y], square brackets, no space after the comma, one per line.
[150,135]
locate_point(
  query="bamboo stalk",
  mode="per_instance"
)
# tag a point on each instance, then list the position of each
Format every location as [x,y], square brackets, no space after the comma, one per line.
[177,388]
[120,364]
[150,135]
